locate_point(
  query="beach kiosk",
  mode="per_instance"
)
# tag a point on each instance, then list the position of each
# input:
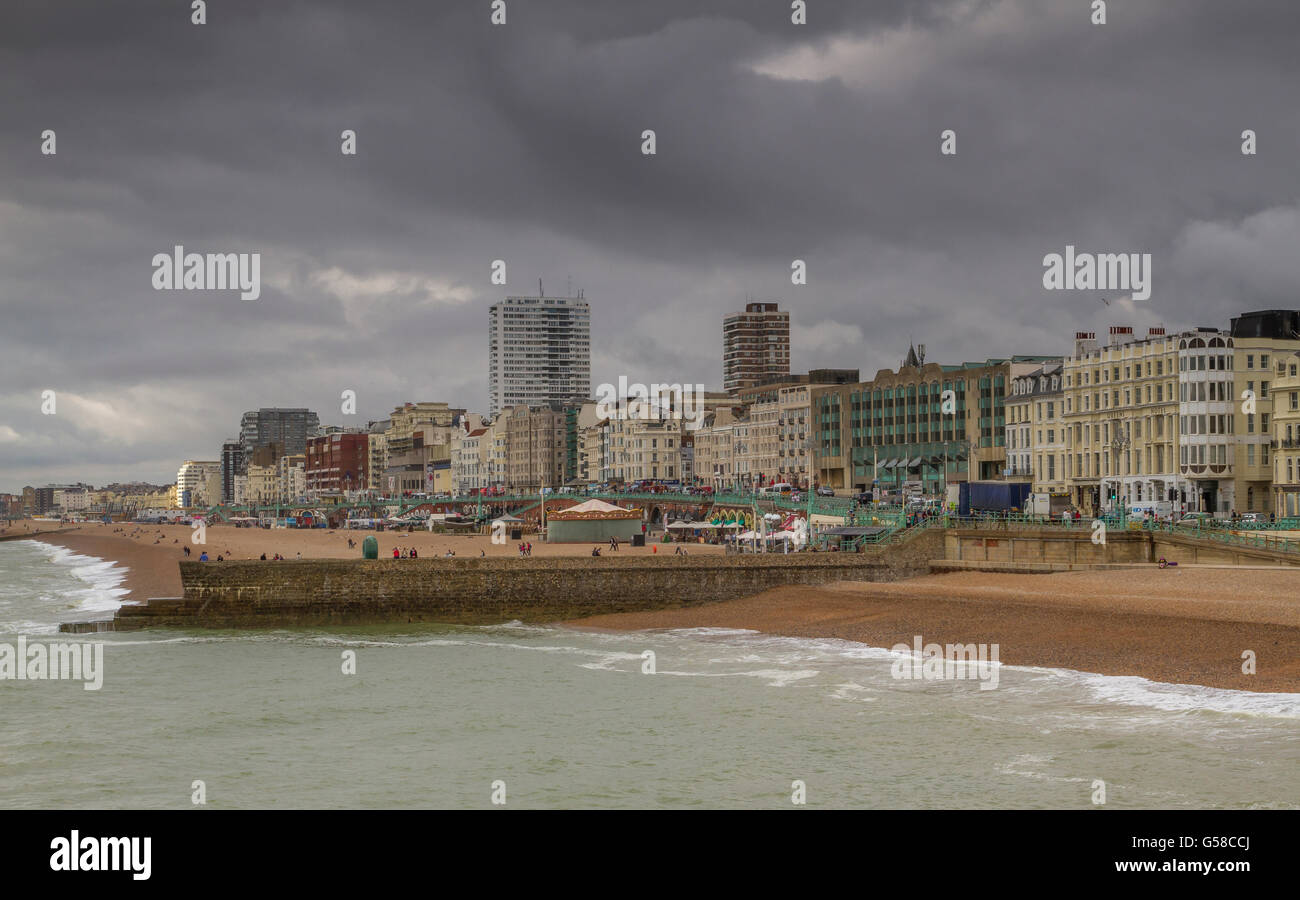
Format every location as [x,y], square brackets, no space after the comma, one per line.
[593,522]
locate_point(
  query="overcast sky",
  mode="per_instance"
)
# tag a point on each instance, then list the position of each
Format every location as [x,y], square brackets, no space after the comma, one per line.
[523,142]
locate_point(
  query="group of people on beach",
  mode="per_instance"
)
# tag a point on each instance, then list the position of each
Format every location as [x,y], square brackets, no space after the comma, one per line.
[405,553]
[525,549]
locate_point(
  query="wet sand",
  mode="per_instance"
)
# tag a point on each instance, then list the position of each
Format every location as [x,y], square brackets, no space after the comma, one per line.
[1184,626]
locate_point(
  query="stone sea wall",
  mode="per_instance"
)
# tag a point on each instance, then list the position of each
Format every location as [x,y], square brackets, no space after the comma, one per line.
[252,594]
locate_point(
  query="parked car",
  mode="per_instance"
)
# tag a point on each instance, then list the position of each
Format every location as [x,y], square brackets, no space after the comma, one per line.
[825,492]
[1252,518]
[1195,520]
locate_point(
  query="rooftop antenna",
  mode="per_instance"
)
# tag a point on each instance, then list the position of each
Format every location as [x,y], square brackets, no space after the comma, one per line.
[540,292]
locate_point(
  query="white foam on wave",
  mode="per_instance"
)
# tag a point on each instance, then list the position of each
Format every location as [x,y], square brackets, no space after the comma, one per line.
[103,578]
[1126,690]
[1132,690]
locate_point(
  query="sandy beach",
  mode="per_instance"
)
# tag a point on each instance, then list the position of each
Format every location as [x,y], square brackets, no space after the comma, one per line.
[1184,626]
[1187,625]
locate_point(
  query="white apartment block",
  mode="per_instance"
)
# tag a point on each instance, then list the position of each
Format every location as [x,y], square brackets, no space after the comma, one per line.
[194,476]
[539,351]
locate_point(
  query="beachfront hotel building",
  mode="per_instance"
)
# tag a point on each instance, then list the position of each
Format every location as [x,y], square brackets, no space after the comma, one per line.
[1285,439]
[468,460]
[539,351]
[535,448]
[417,448]
[337,463]
[495,445]
[755,346]
[1035,430]
[261,485]
[644,449]
[198,483]
[291,478]
[289,428]
[593,444]
[1162,419]
[779,448]
[233,465]
[714,460]
[1121,421]
[1265,344]
[892,432]
[651,440]
[378,453]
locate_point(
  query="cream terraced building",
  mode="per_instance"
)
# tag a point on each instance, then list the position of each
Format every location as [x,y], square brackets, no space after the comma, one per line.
[1182,423]
[1121,418]
[1035,429]
[1285,395]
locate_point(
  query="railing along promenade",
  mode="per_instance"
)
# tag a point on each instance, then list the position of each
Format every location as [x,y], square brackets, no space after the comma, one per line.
[834,506]
[1258,535]
[893,518]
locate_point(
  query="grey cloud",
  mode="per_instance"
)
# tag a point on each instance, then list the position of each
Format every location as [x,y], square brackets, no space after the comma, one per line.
[522,143]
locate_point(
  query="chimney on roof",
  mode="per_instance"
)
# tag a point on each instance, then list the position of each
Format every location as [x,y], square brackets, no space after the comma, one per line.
[1156,331]
[1085,342]
[1119,333]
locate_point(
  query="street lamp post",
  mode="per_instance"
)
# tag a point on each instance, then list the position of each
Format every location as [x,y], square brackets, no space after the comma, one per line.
[1119,442]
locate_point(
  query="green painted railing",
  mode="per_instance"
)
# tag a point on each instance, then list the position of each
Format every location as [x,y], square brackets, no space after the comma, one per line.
[1254,538]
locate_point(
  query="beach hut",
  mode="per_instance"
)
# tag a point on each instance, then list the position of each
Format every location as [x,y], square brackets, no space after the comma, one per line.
[508,524]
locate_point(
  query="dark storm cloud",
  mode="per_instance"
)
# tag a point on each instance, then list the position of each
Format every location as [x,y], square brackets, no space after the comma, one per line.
[522,143]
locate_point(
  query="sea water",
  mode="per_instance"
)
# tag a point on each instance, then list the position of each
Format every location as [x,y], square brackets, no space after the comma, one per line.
[547,717]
